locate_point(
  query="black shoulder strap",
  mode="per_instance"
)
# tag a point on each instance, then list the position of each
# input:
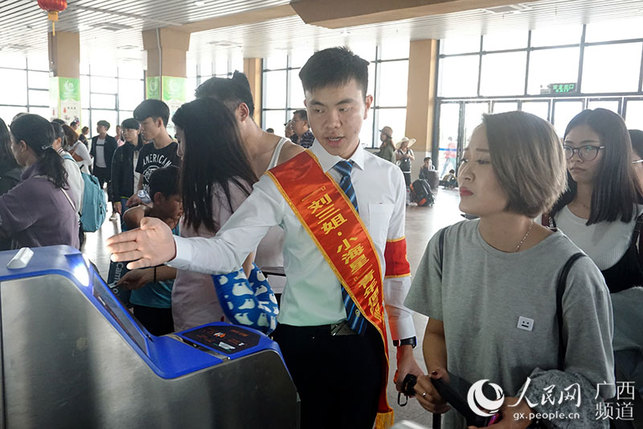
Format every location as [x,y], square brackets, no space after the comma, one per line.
[561,285]
[441,246]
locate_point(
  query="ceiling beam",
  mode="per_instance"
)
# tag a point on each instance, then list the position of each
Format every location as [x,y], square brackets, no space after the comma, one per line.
[342,13]
[242,18]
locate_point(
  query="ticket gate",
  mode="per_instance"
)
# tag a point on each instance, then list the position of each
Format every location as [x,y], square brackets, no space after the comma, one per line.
[73,356]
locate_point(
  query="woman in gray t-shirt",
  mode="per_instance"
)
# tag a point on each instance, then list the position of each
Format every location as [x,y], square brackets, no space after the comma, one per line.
[490,289]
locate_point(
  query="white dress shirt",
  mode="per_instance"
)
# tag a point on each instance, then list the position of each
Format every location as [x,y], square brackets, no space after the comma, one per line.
[312,295]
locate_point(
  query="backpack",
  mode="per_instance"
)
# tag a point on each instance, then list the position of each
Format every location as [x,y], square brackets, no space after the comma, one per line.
[94,207]
[421,193]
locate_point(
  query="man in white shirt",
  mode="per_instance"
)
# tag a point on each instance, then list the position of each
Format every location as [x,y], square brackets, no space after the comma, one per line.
[338,372]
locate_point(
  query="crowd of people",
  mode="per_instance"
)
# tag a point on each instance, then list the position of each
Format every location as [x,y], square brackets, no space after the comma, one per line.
[540,292]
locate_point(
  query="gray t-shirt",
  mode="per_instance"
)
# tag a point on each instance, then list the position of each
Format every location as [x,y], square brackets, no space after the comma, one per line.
[480,293]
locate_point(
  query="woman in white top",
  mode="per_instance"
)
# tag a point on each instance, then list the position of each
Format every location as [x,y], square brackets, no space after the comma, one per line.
[77,149]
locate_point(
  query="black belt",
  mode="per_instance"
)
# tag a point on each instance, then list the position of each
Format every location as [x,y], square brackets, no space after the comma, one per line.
[332,330]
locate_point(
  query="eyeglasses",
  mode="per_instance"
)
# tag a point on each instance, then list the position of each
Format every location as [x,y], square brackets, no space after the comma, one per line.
[638,161]
[585,153]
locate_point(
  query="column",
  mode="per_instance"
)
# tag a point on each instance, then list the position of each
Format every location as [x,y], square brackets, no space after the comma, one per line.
[64,85]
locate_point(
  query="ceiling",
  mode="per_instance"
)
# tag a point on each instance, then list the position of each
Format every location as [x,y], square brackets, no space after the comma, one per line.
[256,28]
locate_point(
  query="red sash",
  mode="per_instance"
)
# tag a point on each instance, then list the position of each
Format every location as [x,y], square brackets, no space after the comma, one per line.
[337,230]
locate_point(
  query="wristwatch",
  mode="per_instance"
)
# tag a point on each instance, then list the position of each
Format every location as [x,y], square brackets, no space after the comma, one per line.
[412,341]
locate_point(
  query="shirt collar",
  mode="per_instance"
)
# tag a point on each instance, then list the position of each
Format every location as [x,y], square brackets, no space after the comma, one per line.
[327,161]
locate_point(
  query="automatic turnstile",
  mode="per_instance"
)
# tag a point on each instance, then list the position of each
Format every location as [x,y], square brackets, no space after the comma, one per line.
[73,357]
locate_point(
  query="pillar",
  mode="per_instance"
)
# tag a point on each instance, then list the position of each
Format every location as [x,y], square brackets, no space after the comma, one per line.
[421,94]
[166,65]
[64,85]
[252,68]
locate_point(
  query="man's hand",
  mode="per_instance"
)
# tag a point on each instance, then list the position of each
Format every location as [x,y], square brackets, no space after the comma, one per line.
[134,200]
[428,396]
[151,244]
[118,208]
[406,364]
[137,279]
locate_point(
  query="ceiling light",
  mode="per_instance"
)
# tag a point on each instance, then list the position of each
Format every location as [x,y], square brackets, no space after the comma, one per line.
[199,3]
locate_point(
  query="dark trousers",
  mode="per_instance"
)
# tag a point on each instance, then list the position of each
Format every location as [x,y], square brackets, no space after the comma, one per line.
[158,321]
[338,377]
[104,175]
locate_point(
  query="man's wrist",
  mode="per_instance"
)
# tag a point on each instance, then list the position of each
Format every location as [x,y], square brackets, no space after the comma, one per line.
[411,341]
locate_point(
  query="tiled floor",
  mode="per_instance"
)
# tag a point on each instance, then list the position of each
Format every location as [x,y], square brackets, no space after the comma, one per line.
[421,224]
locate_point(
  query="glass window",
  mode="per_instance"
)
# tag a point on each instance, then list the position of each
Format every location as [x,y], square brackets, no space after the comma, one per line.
[449,119]
[125,114]
[236,61]
[563,35]
[103,101]
[392,49]
[552,66]
[205,69]
[458,76]
[110,116]
[45,112]
[39,80]
[84,68]
[38,97]
[370,89]
[614,30]
[538,108]
[296,92]
[504,106]
[16,92]
[366,133]
[221,68]
[459,45]
[84,90]
[131,70]
[13,60]
[276,60]
[394,118]
[299,57]
[84,119]
[38,61]
[503,74]
[274,119]
[604,104]
[564,111]
[393,78]
[611,68]
[472,118]
[8,112]
[103,84]
[274,89]
[190,87]
[131,93]
[104,69]
[634,114]
[500,41]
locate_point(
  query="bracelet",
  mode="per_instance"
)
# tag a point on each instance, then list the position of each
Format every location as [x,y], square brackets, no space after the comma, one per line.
[412,341]
[154,274]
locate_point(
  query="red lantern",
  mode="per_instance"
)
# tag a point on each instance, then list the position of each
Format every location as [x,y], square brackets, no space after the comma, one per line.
[53,7]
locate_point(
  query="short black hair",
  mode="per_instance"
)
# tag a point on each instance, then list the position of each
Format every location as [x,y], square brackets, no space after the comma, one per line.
[334,67]
[231,92]
[302,114]
[58,121]
[166,181]
[152,109]
[428,158]
[130,124]
[59,133]
[103,123]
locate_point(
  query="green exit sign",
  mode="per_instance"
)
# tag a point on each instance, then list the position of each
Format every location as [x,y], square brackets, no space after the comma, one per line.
[562,88]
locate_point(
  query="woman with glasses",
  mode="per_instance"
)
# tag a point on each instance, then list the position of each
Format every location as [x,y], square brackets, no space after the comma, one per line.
[489,286]
[598,211]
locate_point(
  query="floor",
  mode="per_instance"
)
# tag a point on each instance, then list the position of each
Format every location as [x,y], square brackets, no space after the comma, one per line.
[421,224]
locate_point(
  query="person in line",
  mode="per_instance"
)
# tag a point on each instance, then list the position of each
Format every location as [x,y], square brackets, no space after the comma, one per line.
[103,147]
[84,132]
[405,157]
[495,317]
[387,148]
[153,116]
[151,296]
[194,306]
[600,214]
[10,171]
[300,126]
[74,179]
[77,150]
[124,175]
[38,211]
[216,179]
[321,347]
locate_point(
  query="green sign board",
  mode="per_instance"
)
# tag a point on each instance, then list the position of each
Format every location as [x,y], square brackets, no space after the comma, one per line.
[153,87]
[174,88]
[562,88]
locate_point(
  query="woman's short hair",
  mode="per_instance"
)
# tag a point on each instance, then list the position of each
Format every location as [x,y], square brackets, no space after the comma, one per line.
[614,193]
[528,160]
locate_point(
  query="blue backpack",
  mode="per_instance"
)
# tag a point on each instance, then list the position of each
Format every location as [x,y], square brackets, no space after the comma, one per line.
[94,210]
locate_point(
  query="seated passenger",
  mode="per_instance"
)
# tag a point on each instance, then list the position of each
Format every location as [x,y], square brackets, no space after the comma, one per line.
[449,180]
[151,288]
[489,286]
[39,210]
